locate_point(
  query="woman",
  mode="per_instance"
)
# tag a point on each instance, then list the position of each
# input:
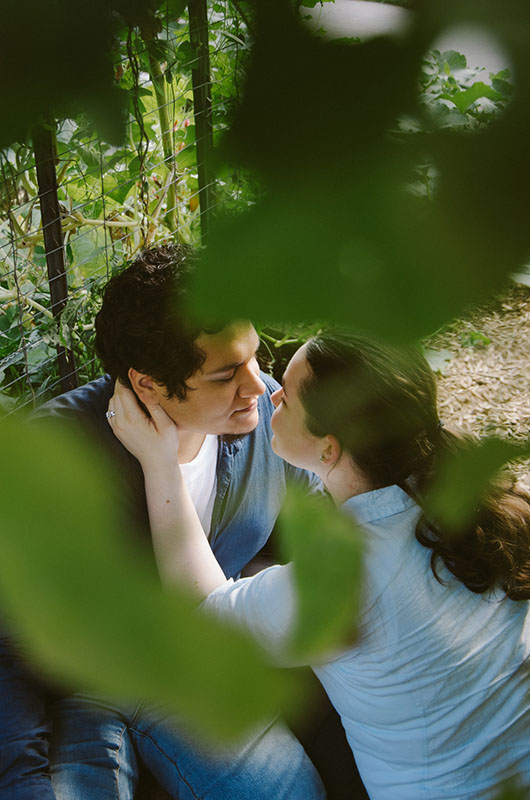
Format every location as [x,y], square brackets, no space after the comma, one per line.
[434,695]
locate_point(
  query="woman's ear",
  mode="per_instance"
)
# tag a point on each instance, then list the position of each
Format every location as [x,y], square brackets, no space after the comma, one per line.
[331,450]
[145,388]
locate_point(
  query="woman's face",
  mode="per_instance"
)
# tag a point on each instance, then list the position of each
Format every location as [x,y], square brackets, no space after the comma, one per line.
[291,440]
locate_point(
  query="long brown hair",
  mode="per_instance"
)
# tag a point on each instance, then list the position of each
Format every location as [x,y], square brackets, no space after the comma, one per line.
[380,403]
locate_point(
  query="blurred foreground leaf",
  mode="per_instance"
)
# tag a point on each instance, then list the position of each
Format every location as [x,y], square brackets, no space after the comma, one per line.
[512,791]
[92,614]
[326,548]
[55,60]
[464,476]
[337,235]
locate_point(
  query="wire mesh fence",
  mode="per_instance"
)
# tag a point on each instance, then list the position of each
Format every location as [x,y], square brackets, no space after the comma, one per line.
[75,208]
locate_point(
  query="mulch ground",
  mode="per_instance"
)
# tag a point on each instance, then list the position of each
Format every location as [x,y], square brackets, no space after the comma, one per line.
[483,370]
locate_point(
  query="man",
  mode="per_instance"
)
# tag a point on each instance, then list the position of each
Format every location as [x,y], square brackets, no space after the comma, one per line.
[24,728]
[208,380]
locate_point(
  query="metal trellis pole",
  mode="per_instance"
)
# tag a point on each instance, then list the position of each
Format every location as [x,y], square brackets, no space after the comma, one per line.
[44,147]
[202,101]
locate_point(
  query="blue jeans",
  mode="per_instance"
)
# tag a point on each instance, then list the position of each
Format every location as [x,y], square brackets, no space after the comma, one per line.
[23,731]
[97,748]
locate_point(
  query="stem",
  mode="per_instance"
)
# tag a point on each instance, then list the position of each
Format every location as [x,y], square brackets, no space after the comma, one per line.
[168,187]
[167,143]
[243,17]
[76,220]
[13,295]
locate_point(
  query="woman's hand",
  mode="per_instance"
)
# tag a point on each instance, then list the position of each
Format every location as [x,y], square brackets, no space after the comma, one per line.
[152,439]
[182,550]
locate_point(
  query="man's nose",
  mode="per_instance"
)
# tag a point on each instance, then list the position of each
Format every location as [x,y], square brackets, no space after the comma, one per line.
[251,385]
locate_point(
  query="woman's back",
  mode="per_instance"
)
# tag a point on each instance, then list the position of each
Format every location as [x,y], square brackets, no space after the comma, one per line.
[434,696]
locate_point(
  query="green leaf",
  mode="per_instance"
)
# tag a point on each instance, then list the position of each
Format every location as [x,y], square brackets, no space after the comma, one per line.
[121,191]
[474,339]
[186,52]
[345,247]
[38,355]
[326,549]
[78,77]
[466,97]
[39,256]
[313,3]
[90,156]
[88,250]
[175,8]
[501,82]
[7,403]
[187,157]
[511,790]
[335,236]
[463,478]
[450,60]
[142,91]
[91,612]
[134,168]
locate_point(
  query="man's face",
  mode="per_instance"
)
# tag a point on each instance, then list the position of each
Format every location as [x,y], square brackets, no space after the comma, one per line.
[222,397]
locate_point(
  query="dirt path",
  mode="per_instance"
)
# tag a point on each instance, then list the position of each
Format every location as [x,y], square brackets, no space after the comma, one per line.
[483,364]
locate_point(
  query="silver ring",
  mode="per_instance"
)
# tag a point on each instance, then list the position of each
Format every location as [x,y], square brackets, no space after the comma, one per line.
[110,414]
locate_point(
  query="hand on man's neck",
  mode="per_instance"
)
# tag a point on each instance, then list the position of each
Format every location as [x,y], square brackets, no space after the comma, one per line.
[190,442]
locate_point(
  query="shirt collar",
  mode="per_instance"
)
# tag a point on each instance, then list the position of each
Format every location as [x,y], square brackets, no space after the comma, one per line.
[378,504]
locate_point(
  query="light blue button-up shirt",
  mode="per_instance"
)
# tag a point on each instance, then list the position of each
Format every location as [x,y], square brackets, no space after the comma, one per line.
[434,697]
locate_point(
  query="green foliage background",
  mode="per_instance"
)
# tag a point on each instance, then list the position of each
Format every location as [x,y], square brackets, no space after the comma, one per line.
[393,193]
[119,189]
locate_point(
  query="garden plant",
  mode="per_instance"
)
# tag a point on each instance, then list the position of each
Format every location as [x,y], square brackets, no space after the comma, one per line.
[380,185]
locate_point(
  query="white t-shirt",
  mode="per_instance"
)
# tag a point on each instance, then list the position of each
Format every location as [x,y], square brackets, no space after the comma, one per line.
[434,698]
[200,476]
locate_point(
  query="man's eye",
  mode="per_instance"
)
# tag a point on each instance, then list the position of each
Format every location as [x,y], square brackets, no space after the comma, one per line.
[225,380]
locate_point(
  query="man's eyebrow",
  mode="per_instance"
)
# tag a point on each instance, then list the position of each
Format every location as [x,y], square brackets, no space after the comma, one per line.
[228,367]
[225,368]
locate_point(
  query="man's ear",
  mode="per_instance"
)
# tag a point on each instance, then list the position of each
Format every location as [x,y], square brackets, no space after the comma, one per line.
[145,388]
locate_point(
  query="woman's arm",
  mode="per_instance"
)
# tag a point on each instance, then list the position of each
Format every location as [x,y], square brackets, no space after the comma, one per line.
[182,551]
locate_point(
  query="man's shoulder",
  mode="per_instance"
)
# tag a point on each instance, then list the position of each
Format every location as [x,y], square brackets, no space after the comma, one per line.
[90,395]
[86,403]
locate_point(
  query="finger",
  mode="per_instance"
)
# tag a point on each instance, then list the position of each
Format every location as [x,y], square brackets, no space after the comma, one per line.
[116,410]
[111,410]
[115,406]
[127,402]
[160,418]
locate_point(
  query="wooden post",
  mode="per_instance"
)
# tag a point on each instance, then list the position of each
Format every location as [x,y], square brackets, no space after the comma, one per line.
[44,149]
[202,102]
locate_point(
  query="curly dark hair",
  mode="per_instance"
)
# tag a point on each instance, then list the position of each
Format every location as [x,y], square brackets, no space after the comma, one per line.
[143,322]
[380,403]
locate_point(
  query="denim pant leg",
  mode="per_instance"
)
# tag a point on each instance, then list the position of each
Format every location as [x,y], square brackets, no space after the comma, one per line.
[24,731]
[92,757]
[269,764]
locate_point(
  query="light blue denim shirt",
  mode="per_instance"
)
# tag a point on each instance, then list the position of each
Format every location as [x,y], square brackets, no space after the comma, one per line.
[251,478]
[434,697]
